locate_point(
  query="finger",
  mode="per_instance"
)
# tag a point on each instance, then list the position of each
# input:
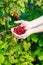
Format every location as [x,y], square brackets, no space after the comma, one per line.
[16,35]
[19,21]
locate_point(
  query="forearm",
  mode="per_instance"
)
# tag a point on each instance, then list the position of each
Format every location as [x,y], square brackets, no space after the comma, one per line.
[37,29]
[36,22]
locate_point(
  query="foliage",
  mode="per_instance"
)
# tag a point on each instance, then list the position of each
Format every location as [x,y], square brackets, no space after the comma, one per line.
[12,50]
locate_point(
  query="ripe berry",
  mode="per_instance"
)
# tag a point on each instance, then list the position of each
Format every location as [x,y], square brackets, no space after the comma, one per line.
[15,15]
[20,30]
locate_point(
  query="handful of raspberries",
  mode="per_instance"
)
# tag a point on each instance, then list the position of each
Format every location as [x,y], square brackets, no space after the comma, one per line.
[19,30]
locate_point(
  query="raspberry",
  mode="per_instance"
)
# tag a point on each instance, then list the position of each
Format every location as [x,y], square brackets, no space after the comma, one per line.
[15,31]
[19,30]
[15,15]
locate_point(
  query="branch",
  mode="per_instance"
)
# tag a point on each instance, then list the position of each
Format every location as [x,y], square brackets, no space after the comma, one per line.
[5,32]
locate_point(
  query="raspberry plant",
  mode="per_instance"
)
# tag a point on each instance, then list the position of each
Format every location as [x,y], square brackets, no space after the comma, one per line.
[12,50]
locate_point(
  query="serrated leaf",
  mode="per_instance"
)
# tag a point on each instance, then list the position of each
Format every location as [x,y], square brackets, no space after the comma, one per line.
[39,3]
[1,42]
[40,57]
[13,60]
[28,38]
[42,7]
[2,23]
[30,64]
[37,52]
[8,64]
[1,58]
[4,45]
[40,43]
[34,38]
[2,52]
[26,46]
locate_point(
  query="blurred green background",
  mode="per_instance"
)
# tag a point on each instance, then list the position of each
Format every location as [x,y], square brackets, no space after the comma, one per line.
[12,50]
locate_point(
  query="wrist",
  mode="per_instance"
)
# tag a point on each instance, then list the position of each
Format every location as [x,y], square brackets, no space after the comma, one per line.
[37,29]
[36,22]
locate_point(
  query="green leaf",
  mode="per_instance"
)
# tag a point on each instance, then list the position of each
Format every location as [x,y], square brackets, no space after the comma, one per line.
[30,64]
[37,52]
[28,39]
[40,57]
[34,38]
[17,51]
[13,60]
[2,58]
[21,59]
[8,36]
[8,64]
[37,64]
[26,45]
[31,58]
[1,42]
[42,63]
[0,64]
[42,7]
[4,45]
[2,52]
[41,43]
[1,14]
[2,22]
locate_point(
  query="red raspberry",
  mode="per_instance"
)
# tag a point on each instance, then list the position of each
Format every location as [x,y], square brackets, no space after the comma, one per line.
[19,30]
[15,30]
[15,15]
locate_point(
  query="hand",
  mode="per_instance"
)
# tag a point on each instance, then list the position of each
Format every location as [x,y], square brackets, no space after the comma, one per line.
[28,29]
[23,23]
